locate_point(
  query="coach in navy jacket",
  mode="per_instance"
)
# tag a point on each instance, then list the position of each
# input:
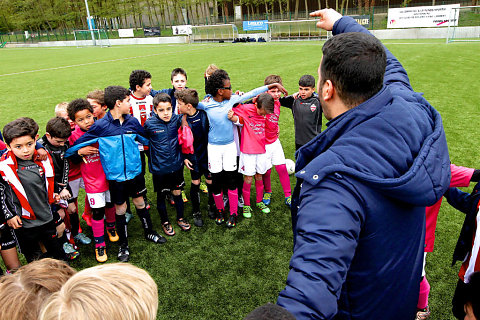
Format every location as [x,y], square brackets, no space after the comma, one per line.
[366,179]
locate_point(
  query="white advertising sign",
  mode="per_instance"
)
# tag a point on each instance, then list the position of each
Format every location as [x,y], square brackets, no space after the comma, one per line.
[422,17]
[125,33]
[186,29]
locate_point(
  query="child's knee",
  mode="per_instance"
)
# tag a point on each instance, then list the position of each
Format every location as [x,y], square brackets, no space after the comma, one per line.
[176,192]
[248,179]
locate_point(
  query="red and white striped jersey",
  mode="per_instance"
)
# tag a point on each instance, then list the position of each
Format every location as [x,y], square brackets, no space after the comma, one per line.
[141,108]
[472,262]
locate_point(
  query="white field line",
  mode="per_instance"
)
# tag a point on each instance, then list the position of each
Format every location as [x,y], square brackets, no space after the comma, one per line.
[91,63]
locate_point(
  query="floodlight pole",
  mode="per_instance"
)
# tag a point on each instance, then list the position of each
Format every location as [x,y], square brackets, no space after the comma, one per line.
[89,23]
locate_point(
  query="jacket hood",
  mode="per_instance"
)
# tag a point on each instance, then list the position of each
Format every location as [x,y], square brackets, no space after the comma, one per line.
[393,143]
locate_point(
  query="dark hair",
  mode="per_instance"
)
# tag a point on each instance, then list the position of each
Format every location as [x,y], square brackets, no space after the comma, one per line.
[59,127]
[97,95]
[19,128]
[215,81]
[307,81]
[114,93]
[265,101]
[269,311]
[76,106]
[271,79]
[137,77]
[187,96]
[161,97]
[178,71]
[472,297]
[355,63]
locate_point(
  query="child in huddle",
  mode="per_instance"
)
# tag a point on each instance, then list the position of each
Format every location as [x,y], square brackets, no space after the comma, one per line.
[96,98]
[274,149]
[32,182]
[222,150]
[306,110]
[96,185]
[253,157]
[117,134]
[178,78]
[165,160]
[472,298]
[197,163]
[467,248]
[61,111]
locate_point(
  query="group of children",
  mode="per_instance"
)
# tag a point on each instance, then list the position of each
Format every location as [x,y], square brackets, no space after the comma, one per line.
[102,144]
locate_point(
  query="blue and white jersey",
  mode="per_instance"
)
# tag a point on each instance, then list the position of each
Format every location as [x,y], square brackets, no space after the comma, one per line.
[221,129]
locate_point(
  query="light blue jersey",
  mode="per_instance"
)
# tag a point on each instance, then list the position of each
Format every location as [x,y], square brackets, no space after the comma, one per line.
[221,129]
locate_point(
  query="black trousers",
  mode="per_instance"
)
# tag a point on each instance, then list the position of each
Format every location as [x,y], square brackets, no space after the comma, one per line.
[28,239]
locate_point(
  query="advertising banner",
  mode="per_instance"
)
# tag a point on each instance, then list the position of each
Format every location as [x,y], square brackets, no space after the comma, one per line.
[185,29]
[363,20]
[255,25]
[125,33]
[151,32]
[422,17]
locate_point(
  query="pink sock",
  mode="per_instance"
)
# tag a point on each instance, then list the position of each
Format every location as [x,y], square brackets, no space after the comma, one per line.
[267,182]
[233,200]
[246,193]
[423,296]
[259,190]
[110,217]
[98,233]
[284,179]
[218,198]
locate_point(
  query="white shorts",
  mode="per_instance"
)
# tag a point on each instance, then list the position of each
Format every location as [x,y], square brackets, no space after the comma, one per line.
[275,153]
[250,164]
[75,185]
[98,200]
[222,157]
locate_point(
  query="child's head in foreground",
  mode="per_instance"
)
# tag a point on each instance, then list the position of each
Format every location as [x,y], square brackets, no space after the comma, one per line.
[269,311]
[472,301]
[187,100]
[140,83]
[179,79]
[265,104]
[306,86]
[162,106]
[57,132]
[274,92]
[218,85]
[96,98]
[105,292]
[20,136]
[23,293]
[81,112]
[117,97]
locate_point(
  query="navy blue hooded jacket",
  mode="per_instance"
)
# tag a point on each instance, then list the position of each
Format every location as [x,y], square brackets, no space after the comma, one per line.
[165,152]
[367,178]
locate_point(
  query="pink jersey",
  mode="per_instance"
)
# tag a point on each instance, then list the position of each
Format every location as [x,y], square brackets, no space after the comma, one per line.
[271,124]
[460,178]
[74,168]
[141,108]
[91,168]
[253,130]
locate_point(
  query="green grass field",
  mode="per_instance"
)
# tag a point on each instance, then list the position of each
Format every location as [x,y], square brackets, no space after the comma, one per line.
[212,272]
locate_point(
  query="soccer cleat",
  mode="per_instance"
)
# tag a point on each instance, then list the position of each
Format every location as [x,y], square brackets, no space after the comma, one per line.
[197,219]
[232,221]
[88,218]
[266,198]
[123,253]
[83,239]
[168,229]
[183,224]
[128,216]
[263,207]
[288,201]
[423,314]
[219,219]
[211,212]
[70,252]
[203,187]
[241,203]
[112,235]
[184,197]
[155,237]
[247,211]
[101,254]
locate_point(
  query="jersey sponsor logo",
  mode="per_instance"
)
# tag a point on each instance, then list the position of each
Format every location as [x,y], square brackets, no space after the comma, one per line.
[313,107]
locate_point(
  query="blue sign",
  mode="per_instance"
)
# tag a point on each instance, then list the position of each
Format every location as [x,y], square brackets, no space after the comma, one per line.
[255,25]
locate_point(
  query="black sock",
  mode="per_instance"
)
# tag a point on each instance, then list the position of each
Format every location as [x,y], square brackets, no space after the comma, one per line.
[145,219]
[179,206]
[121,222]
[195,196]
[75,223]
[161,206]
[211,201]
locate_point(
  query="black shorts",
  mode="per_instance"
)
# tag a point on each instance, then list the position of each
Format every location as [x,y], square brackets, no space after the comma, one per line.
[197,174]
[8,239]
[168,182]
[121,191]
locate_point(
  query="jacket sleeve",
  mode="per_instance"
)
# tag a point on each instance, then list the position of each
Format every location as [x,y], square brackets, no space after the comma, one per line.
[87,139]
[395,74]
[7,208]
[287,102]
[460,200]
[329,221]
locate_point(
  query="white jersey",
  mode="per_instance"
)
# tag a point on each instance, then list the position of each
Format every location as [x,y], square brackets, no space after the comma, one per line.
[141,108]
